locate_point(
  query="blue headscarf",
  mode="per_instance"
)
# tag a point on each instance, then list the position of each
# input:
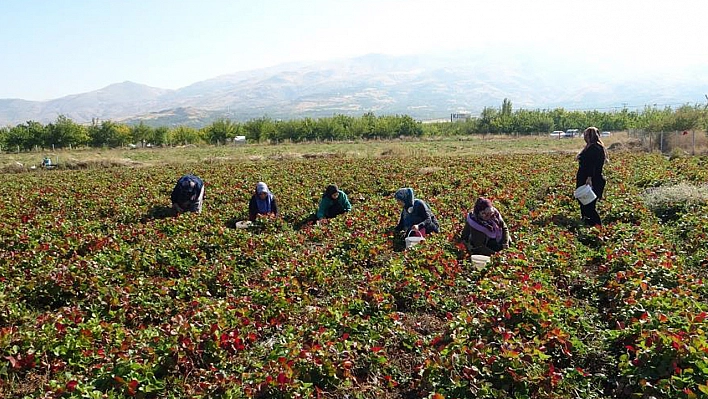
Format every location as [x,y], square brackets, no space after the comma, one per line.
[264,205]
[188,189]
[405,195]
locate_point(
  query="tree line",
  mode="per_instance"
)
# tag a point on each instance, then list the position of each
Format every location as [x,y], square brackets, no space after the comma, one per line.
[65,133]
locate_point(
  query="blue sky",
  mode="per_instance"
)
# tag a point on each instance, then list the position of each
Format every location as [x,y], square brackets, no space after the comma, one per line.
[54,48]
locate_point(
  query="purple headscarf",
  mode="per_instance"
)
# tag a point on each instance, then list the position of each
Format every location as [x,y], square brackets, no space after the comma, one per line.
[492,227]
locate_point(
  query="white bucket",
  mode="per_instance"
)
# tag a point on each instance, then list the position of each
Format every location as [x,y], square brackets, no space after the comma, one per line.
[243,224]
[584,194]
[413,240]
[479,261]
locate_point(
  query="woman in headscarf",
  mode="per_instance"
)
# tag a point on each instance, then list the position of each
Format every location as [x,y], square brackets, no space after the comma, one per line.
[485,231]
[333,202]
[188,194]
[262,203]
[591,160]
[416,215]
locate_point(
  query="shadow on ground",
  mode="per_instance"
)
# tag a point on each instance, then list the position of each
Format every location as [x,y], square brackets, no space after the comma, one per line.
[159,212]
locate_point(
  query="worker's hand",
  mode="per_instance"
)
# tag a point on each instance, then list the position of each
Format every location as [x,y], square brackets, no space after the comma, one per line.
[415,228]
[588,181]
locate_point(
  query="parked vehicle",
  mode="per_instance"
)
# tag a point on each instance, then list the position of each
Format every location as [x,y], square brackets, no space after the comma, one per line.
[570,133]
[557,134]
[605,134]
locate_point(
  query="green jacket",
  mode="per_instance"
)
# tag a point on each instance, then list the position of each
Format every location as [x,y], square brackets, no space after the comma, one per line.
[327,202]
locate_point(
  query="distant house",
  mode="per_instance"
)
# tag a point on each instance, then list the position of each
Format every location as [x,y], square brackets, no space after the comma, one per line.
[460,117]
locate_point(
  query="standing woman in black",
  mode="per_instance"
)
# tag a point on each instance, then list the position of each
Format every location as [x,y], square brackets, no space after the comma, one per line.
[592,158]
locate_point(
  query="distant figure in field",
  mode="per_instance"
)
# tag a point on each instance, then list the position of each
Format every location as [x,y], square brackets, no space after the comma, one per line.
[262,203]
[188,194]
[333,202]
[591,160]
[416,216]
[485,231]
[46,162]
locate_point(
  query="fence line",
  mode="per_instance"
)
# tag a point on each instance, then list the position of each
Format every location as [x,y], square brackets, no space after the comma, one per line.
[666,142]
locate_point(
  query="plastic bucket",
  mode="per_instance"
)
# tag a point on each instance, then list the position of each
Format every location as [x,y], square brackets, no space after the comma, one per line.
[479,261]
[243,224]
[413,240]
[584,194]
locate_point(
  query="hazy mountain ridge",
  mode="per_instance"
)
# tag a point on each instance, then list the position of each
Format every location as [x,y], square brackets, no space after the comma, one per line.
[424,87]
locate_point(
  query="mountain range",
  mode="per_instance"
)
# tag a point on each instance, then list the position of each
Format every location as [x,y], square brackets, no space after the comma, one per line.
[425,87]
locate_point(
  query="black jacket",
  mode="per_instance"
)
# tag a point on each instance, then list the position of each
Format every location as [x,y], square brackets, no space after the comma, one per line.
[592,159]
[421,215]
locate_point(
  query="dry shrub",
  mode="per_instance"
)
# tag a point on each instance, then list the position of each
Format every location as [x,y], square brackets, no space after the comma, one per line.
[320,155]
[29,384]
[13,168]
[686,142]
[217,160]
[394,152]
[429,169]
[74,164]
[677,153]
[628,145]
[669,202]
[285,155]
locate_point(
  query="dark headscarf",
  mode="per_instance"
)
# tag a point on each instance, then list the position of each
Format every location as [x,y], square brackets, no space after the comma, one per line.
[187,189]
[481,204]
[330,190]
[406,195]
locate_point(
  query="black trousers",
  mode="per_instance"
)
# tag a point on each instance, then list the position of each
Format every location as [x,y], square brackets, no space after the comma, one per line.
[589,214]
[334,210]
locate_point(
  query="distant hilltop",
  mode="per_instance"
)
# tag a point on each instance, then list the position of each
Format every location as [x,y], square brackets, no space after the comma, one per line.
[424,87]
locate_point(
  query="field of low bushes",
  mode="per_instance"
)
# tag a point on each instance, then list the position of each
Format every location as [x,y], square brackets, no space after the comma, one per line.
[104,293]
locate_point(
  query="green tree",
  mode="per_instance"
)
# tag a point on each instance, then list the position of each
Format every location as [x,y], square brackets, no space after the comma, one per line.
[345,124]
[505,122]
[307,131]
[221,131]
[108,133]
[506,108]
[328,129]
[25,136]
[385,127]
[65,132]
[4,131]
[367,125]
[141,133]
[487,120]
[656,120]
[260,129]
[686,118]
[160,135]
[407,126]
[182,135]
[18,138]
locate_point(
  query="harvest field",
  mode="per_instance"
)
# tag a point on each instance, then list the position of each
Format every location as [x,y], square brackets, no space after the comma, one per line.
[105,293]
